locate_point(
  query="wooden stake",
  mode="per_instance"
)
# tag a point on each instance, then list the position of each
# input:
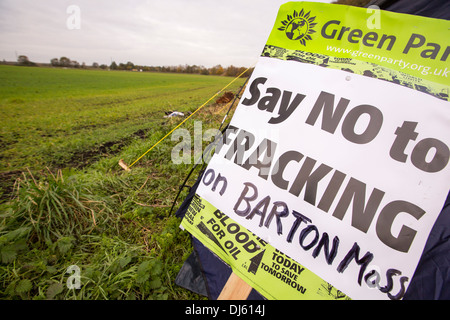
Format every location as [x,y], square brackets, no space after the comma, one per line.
[235,289]
[123,165]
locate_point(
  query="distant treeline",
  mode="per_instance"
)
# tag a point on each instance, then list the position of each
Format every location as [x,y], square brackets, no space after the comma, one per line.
[64,62]
[217,70]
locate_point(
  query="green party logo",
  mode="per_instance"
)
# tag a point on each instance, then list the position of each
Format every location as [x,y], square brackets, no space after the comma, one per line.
[299,26]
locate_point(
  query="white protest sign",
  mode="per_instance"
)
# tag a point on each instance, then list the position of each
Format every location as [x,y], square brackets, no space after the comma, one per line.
[346,183]
[341,171]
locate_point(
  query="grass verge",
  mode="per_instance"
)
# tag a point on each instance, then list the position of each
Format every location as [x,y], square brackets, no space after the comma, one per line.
[113,226]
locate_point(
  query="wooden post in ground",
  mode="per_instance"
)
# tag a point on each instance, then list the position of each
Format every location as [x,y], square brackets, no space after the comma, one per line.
[235,289]
[124,165]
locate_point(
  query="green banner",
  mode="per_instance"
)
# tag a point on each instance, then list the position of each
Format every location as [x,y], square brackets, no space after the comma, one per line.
[408,50]
[270,272]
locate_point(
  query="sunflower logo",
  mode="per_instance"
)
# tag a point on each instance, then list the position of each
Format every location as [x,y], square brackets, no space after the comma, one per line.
[299,26]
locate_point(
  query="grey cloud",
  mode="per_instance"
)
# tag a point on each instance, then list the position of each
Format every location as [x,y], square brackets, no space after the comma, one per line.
[148,32]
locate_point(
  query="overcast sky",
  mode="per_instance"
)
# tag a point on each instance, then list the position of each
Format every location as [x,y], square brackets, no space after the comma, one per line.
[145,32]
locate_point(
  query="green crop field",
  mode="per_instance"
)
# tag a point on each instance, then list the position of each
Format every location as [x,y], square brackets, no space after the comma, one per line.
[65,201]
[54,117]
